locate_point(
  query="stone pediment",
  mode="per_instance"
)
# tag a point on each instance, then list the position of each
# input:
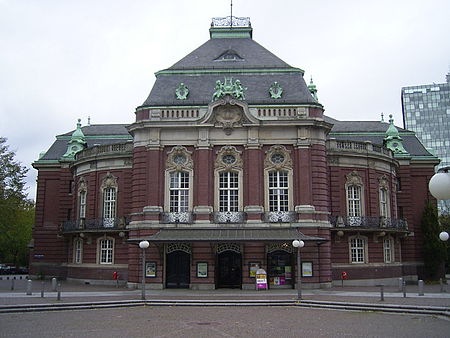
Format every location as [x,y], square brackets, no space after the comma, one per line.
[229,113]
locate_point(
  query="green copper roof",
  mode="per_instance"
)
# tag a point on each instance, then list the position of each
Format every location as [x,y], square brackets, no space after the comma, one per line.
[393,140]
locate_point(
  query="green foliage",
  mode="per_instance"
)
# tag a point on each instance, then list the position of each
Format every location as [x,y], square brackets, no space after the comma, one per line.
[16,212]
[434,250]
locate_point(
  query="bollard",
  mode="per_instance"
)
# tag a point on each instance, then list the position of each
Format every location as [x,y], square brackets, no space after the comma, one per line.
[42,290]
[58,297]
[420,287]
[400,284]
[53,284]
[404,289]
[12,284]
[29,286]
[443,283]
[382,292]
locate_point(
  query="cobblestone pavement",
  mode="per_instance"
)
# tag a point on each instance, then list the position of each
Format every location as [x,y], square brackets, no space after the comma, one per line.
[208,322]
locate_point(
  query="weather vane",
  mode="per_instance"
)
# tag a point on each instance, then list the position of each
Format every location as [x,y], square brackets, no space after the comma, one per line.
[231,13]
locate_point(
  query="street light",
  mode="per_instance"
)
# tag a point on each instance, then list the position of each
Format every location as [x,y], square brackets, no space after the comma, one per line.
[439,187]
[143,245]
[298,244]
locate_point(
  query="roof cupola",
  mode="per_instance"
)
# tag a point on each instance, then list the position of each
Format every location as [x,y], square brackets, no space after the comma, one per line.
[393,140]
[76,144]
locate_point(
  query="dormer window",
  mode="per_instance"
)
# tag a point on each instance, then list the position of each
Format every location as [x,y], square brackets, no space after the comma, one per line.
[229,55]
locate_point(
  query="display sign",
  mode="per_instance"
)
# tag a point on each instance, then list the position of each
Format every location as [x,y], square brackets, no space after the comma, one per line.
[253,267]
[307,269]
[202,269]
[261,279]
[150,269]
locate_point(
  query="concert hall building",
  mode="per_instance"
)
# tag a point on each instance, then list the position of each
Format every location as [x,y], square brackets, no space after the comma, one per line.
[227,161]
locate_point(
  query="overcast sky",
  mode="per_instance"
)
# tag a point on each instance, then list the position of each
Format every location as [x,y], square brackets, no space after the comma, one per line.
[61,60]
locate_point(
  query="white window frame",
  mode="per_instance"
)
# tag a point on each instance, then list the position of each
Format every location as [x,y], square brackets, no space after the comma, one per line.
[228,190]
[78,250]
[278,190]
[109,202]
[388,250]
[354,195]
[105,249]
[82,204]
[174,166]
[181,192]
[384,197]
[226,168]
[271,167]
[358,249]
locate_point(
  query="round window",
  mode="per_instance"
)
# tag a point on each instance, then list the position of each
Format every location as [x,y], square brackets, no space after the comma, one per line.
[277,158]
[228,159]
[179,159]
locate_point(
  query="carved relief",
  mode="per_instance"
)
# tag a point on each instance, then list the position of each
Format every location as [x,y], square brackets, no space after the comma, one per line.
[109,181]
[82,185]
[179,158]
[383,182]
[354,179]
[228,158]
[278,157]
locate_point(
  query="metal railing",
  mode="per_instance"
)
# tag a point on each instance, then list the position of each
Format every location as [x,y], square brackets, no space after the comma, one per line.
[280,217]
[95,224]
[229,217]
[176,218]
[375,222]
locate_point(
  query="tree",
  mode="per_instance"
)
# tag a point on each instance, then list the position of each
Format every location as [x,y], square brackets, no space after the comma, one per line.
[16,211]
[434,251]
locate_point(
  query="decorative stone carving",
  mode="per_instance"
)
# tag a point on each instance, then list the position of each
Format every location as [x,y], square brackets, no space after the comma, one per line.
[109,181]
[179,158]
[182,92]
[178,247]
[82,185]
[383,182]
[278,157]
[222,247]
[228,158]
[275,91]
[354,179]
[229,88]
[287,247]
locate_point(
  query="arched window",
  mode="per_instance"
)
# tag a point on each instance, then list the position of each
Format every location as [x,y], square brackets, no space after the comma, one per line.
[228,177]
[278,180]
[82,194]
[384,197]
[179,174]
[354,195]
[109,199]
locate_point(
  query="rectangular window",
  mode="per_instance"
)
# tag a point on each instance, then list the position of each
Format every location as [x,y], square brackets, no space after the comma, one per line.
[354,200]
[109,203]
[383,203]
[106,251]
[278,191]
[228,191]
[357,248]
[387,249]
[179,191]
[78,247]
[82,204]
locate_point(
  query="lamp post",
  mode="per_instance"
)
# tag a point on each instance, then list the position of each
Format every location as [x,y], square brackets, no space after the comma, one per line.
[298,244]
[439,187]
[143,245]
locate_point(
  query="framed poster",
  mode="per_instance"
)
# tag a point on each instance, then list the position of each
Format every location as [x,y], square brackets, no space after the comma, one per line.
[307,269]
[252,268]
[150,269]
[202,269]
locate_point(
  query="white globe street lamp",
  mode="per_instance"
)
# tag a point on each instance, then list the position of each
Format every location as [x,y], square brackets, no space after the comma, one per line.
[143,245]
[298,244]
[439,187]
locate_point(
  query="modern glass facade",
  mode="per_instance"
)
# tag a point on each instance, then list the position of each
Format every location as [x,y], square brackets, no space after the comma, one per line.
[426,111]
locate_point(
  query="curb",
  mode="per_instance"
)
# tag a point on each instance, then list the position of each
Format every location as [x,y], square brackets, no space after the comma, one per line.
[388,308]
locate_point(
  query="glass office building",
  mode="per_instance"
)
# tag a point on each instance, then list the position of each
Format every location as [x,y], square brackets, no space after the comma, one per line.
[426,111]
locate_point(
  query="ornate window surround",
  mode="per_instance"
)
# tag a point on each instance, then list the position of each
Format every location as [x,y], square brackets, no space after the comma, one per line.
[354,179]
[174,164]
[365,249]
[220,166]
[284,165]
[109,182]
[82,197]
[77,250]
[384,188]
[109,248]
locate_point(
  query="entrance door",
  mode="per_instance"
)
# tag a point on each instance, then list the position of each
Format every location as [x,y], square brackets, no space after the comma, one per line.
[178,270]
[229,270]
